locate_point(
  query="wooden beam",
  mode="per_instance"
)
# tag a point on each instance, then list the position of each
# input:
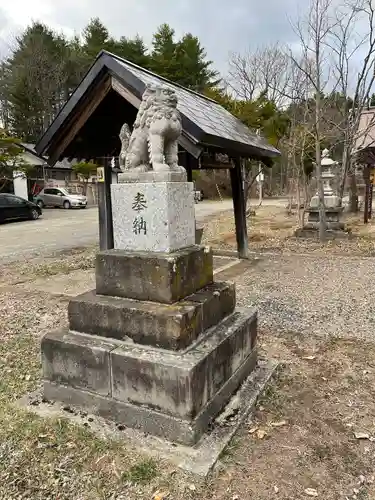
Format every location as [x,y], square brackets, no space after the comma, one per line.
[81,116]
[125,93]
[239,209]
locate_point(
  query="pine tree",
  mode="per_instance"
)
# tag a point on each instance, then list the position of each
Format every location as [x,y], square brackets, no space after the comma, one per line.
[163,55]
[36,80]
[183,62]
[134,50]
[194,71]
[96,38]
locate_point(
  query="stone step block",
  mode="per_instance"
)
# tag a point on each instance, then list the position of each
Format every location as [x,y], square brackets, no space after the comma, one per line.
[181,385]
[168,326]
[185,390]
[150,420]
[78,361]
[156,277]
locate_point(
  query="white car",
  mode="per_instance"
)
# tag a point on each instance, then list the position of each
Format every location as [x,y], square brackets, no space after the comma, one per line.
[60,197]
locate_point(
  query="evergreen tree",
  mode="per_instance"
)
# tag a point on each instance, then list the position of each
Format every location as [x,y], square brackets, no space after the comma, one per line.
[10,157]
[163,55]
[183,62]
[35,80]
[134,50]
[45,68]
[96,38]
[194,71]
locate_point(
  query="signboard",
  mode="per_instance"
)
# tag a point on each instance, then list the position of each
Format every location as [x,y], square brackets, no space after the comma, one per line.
[100,174]
[260,177]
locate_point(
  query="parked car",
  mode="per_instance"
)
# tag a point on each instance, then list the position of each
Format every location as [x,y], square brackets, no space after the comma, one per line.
[198,196]
[14,207]
[60,197]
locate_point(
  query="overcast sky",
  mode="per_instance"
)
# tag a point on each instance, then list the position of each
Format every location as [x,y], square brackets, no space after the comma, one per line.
[223,26]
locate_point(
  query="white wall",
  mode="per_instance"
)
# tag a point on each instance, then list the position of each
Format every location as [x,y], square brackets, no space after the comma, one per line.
[20,184]
[32,159]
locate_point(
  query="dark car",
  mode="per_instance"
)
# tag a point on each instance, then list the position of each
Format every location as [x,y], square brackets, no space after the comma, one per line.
[14,207]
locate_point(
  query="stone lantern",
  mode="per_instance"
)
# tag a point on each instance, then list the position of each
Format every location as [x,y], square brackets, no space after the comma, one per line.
[332,204]
[331,200]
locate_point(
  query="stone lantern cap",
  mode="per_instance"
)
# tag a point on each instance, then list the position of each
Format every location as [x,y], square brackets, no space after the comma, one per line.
[326,160]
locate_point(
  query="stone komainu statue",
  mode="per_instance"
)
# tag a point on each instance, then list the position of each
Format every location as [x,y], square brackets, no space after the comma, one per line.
[153,143]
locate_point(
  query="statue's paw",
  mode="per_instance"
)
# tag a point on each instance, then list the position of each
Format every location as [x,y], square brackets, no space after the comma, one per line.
[177,168]
[161,167]
[141,168]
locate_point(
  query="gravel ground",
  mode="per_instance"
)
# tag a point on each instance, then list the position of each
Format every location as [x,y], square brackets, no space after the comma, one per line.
[302,436]
[325,296]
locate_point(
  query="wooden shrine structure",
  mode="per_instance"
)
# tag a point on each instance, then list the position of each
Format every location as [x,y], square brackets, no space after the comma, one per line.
[89,123]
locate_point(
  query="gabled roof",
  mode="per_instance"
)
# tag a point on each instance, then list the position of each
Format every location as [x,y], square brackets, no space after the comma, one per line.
[29,148]
[366,130]
[205,123]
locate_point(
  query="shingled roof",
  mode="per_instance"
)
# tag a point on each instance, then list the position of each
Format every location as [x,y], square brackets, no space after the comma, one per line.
[205,123]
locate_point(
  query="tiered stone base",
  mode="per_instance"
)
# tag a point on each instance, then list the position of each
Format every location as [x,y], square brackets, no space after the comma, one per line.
[164,393]
[335,228]
[158,346]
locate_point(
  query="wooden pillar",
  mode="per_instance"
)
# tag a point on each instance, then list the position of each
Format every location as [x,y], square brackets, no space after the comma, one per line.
[105,207]
[370,201]
[366,211]
[239,209]
[189,167]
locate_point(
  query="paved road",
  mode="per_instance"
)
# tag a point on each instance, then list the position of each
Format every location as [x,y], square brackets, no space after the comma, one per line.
[66,229]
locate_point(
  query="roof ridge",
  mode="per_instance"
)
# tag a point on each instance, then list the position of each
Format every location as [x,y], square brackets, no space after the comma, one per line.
[122,59]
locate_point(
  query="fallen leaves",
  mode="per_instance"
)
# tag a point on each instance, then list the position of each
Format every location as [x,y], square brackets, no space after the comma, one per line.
[160,495]
[311,492]
[260,434]
[279,424]
[361,435]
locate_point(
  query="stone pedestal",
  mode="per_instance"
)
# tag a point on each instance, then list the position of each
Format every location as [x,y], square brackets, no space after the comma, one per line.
[158,345]
[333,210]
[153,216]
[335,228]
[333,215]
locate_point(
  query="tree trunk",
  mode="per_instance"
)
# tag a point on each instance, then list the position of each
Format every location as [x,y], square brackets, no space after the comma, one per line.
[318,154]
[344,175]
[299,213]
[353,192]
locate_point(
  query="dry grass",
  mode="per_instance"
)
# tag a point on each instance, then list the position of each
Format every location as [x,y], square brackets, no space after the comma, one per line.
[59,263]
[321,397]
[309,415]
[323,394]
[272,230]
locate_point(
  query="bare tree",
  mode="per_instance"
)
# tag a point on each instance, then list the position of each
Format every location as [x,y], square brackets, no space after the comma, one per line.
[313,32]
[301,133]
[266,70]
[352,42]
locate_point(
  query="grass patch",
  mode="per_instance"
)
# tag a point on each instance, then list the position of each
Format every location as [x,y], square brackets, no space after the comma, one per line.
[142,472]
[19,367]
